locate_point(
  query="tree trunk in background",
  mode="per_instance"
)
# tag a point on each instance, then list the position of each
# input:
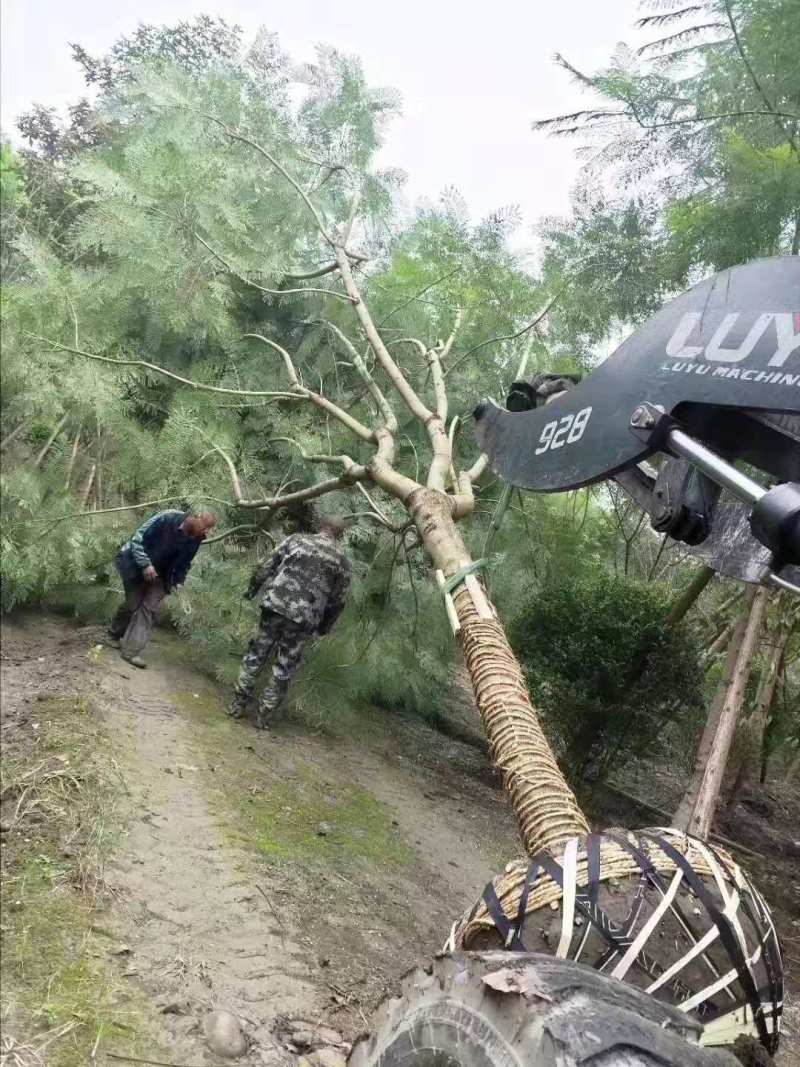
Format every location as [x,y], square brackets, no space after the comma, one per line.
[88,486]
[14,434]
[545,806]
[41,455]
[696,811]
[73,456]
[682,603]
[717,645]
[749,740]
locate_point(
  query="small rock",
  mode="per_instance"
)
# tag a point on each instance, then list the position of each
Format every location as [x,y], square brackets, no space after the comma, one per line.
[327,1036]
[327,1057]
[324,829]
[5,827]
[172,1007]
[302,1039]
[224,1035]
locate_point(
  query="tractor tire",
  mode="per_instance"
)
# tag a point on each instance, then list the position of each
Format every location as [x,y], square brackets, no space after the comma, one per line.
[513,1009]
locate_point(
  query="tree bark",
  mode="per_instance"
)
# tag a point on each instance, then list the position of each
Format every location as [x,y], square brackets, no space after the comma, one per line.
[682,603]
[696,811]
[546,809]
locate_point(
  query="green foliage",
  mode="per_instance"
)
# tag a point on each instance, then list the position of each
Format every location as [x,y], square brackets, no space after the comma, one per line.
[155,235]
[602,667]
[11,178]
[694,160]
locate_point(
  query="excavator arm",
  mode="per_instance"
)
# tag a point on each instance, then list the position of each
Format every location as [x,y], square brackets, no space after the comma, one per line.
[711,383]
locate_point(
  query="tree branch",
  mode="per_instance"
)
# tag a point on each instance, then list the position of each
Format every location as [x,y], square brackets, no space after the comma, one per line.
[329,268]
[393,372]
[777,115]
[434,357]
[352,474]
[505,337]
[233,530]
[229,132]
[322,402]
[311,493]
[201,386]
[417,295]
[385,408]
[342,460]
[261,288]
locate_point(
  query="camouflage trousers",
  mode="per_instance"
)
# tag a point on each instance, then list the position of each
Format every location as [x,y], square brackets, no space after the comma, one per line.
[285,640]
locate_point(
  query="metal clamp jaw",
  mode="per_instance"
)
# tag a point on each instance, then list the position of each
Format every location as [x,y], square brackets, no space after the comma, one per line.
[775,514]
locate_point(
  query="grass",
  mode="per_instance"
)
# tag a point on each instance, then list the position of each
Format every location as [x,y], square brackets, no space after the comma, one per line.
[298,814]
[61,999]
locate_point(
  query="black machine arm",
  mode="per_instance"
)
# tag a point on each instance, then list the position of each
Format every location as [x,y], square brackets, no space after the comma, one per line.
[711,380]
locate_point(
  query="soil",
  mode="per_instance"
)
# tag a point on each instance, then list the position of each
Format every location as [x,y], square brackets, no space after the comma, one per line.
[291,877]
[282,876]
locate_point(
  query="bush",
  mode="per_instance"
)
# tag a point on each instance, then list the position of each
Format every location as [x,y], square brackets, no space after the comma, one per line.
[602,667]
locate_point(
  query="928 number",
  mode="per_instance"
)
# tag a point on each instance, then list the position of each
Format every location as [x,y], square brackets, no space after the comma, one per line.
[564,431]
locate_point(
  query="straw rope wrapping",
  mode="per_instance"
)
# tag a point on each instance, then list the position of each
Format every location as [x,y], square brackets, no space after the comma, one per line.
[545,806]
[656,908]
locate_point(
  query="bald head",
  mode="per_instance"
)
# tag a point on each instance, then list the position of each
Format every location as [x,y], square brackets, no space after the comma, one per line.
[332,526]
[198,523]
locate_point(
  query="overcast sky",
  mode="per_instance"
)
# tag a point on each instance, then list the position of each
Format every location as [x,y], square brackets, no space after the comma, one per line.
[472,73]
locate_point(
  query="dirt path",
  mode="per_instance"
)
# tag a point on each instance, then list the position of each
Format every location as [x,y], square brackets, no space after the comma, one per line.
[203,937]
[285,877]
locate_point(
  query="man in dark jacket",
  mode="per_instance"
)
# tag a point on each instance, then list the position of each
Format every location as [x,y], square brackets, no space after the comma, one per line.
[305,586]
[155,560]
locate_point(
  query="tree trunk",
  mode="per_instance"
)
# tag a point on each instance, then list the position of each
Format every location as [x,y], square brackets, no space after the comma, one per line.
[41,455]
[88,486]
[545,806]
[682,603]
[696,811]
[717,645]
[750,737]
[793,768]
[14,434]
[73,457]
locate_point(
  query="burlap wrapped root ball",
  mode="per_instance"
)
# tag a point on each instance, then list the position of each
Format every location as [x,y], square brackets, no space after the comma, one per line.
[666,912]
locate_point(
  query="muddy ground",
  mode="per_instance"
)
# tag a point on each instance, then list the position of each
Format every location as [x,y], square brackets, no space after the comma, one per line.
[162,861]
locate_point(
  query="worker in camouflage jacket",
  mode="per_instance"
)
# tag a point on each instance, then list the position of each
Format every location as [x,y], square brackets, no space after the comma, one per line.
[303,588]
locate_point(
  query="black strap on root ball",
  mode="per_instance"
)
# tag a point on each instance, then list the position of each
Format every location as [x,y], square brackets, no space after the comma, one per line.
[619,936]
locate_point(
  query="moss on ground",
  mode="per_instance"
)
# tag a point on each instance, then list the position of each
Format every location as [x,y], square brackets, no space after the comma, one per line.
[61,997]
[299,815]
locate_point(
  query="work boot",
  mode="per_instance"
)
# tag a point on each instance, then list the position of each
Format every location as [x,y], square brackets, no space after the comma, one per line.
[135,661]
[237,707]
[263,717]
